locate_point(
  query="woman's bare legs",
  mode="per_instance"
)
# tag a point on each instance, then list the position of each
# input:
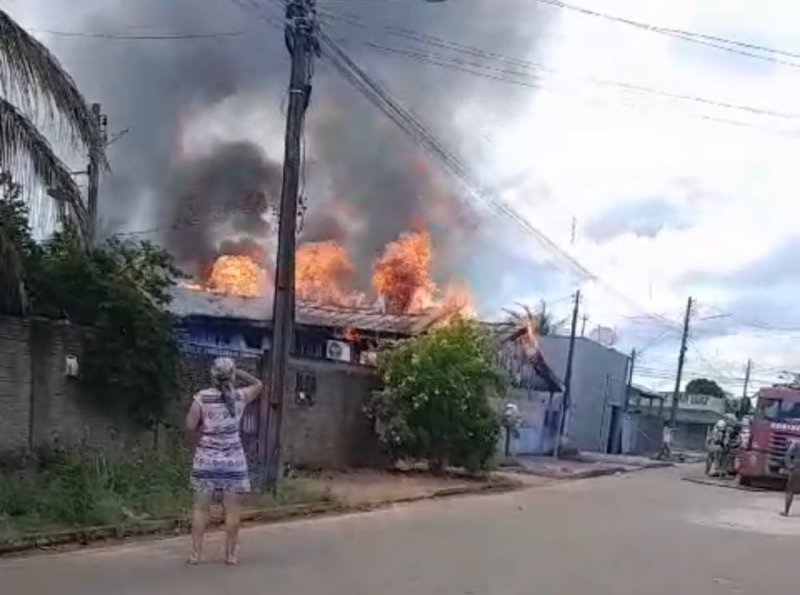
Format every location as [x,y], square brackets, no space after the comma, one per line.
[202,507]
[233,515]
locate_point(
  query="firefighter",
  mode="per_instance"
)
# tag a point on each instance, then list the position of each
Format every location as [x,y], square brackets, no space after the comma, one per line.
[714,446]
[665,452]
[730,444]
[792,464]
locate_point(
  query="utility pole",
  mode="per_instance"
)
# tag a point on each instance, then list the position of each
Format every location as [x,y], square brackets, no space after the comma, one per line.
[302,43]
[565,402]
[747,378]
[585,319]
[93,170]
[681,357]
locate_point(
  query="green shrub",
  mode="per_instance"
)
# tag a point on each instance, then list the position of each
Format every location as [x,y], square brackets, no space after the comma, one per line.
[435,403]
[77,488]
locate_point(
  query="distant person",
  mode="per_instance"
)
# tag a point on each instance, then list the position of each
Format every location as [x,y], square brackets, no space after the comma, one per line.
[666,443]
[792,464]
[714,447]
[219,465]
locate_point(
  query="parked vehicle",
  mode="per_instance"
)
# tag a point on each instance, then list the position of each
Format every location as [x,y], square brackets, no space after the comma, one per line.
[775,422]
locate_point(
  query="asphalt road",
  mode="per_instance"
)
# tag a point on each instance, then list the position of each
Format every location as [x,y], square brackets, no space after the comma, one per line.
[647,533]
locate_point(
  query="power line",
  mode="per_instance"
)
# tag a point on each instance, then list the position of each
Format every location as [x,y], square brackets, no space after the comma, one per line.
[209,216]
[721,314]
[530,76]
[138,37]
[408,122]
[412,126]
[640,351]
[688,36]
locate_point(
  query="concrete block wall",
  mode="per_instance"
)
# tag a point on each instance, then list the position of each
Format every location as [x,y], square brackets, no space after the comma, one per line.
[334,431]
[329,432]
[15,384]
[39,404]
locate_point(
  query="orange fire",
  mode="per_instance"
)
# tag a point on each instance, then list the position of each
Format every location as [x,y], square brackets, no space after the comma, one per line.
[402,275]
[324,273]
[237,275]
[402,278]
[458,300]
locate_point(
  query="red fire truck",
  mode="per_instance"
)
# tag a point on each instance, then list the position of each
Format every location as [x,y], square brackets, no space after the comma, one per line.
[775,423]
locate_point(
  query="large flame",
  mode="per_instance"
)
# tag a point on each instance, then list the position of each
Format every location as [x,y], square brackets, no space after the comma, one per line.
[324,273]
[237,275]
[402,275]
[402,278]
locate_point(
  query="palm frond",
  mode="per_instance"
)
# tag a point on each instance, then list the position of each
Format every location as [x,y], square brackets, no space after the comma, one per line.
[31,73]
[542,319]
[21,141]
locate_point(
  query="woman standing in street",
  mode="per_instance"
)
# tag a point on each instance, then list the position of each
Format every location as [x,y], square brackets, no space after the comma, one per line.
[219,465]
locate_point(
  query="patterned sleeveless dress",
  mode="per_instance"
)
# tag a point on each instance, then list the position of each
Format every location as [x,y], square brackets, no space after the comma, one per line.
[219,460]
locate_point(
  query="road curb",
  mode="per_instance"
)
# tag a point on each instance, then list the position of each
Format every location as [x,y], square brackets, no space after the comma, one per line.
[733,485]
[593,473]
[172,527]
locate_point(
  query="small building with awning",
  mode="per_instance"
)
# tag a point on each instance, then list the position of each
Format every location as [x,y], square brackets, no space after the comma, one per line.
[694,418]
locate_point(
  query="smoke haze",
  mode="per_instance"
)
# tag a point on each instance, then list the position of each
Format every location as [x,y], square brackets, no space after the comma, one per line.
[205,119]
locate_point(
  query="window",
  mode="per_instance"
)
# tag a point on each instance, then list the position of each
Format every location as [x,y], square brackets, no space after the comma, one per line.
[305,389]
[777,410]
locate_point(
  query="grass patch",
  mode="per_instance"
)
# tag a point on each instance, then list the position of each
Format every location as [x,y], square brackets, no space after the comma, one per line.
[291,492]
[76,489]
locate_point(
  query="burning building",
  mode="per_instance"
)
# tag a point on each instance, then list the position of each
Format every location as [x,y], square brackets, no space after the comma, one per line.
[330,373]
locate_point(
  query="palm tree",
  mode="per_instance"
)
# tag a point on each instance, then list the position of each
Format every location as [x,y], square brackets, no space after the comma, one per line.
[34,87]
[542,319]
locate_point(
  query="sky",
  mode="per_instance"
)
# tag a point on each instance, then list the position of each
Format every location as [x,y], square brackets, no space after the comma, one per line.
[668,197]
[673,198]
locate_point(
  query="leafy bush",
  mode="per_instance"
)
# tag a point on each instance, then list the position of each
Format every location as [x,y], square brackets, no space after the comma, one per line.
[435,403]
[118,288]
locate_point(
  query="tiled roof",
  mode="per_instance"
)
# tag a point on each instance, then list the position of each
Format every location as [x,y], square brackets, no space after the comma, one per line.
[190,303]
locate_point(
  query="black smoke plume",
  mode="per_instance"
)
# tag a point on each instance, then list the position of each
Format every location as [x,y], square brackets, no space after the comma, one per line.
[228,192]
[354,155]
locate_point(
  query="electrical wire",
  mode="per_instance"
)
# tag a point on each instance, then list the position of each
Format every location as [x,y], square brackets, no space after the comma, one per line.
[688,36]
[137,36]
[529,78]
[410,124]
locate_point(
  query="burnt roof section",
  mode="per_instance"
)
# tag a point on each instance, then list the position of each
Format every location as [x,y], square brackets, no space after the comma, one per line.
[506,332]
[189,303]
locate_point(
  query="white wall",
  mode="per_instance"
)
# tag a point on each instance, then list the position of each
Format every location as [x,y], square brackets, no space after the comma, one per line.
[599,382]
[533,437]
